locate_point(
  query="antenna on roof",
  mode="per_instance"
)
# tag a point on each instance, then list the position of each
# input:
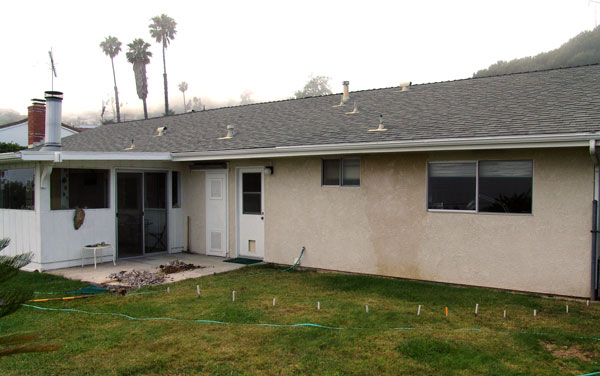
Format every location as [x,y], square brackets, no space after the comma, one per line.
[53,67]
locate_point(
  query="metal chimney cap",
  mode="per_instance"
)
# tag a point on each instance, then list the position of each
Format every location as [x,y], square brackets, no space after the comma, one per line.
[346,83]
[37,100]
[53,95]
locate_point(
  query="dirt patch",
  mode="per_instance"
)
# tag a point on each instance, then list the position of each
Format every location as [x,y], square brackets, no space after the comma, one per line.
[177,266]
[566,352]
[138,277]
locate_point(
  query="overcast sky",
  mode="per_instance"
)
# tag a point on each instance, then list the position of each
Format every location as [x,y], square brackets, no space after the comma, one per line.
[270,47]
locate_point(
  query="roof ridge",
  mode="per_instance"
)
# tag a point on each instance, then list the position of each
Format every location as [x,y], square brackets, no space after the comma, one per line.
[357,91]
[13,123]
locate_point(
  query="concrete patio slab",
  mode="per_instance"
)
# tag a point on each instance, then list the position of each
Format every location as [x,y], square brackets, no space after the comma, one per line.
[210,265]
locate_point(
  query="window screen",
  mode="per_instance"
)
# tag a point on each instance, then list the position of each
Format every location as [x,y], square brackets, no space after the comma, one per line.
[351,171]
[451,186]
[251,193]
[345,172]
[505,186]
[17,188]
[83,188]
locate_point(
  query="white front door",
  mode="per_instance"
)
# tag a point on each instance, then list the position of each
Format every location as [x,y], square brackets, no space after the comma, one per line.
[251,215]
[216,213]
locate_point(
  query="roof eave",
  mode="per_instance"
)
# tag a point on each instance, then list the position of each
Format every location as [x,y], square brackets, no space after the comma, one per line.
[472,143]
[57,156]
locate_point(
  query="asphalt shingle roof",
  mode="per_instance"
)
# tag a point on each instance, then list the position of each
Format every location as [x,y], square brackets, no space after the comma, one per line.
[544,102]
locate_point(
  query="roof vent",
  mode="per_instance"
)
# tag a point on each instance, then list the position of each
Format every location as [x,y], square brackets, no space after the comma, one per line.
[160,131]
[341,103]
[405,85]
[229,135]
[130,147]
[354,111]
[381,127]
[346,95]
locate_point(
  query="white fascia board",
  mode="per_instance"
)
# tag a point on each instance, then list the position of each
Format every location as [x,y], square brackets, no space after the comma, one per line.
[7,157]
[54,156]
[479,143]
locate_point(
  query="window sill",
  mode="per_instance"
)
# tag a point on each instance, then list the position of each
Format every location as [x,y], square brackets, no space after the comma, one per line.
[480,213]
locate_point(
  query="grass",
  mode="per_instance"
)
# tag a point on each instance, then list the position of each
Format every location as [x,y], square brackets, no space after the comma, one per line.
[390,339]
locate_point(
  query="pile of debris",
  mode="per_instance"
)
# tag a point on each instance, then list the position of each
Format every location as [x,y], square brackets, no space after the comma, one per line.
[138,278]
[176,266]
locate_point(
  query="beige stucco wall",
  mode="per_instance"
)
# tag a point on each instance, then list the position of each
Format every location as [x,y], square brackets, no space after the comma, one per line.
[383,227]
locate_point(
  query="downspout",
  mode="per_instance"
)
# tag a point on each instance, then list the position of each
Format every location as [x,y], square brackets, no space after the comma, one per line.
[594,281]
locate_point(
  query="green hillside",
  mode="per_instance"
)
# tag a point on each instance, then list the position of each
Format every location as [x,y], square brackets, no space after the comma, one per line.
[583,49]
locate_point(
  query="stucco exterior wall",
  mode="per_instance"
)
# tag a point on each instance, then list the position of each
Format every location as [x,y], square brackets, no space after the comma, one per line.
[383,227]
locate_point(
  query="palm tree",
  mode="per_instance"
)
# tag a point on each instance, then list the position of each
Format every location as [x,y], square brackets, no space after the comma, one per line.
[183,86]
[163,30]
[111,47]
[139,56]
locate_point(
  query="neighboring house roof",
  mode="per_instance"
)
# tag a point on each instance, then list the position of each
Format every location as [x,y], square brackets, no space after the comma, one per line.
[7,125]
[19,122]
[559,101]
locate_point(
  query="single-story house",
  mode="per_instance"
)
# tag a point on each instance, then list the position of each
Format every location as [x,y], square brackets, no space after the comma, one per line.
[485,181]
[30,130]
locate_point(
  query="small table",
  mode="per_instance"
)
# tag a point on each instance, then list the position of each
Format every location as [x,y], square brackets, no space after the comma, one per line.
[95,248]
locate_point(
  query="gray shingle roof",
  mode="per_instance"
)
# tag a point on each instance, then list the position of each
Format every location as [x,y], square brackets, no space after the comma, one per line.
[544,102]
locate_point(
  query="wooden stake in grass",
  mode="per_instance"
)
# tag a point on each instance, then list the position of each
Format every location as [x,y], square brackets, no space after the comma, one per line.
[476,309]
[198,290]
[446,311]
[504,313]
[274,301]
[567,308]
[168,290]
[367,308]
[318,306]
[534,312]
[233,296]
[587,302]
[419,310]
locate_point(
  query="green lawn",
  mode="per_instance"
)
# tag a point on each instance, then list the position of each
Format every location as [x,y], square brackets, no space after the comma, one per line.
[389,339]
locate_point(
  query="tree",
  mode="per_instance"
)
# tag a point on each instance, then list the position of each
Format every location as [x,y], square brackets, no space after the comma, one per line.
[9,147]
[246,97]
[315,86]
[111,47]
[163,30]
[10,301]
[139,56]
[196,104]
[183,86]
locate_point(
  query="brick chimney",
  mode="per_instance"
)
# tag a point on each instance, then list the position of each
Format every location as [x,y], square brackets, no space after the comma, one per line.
[36,121]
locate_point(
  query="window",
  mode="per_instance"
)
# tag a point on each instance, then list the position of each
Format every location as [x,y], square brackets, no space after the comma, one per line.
[175,189]
[505,186]
[452,186]
[499,186]
[251,193]
[17,188]
[345,171]
[78,188]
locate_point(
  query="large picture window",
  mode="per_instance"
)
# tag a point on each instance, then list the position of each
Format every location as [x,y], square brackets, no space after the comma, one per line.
[484,186]
[344,172]
[78,188]
[17,188]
